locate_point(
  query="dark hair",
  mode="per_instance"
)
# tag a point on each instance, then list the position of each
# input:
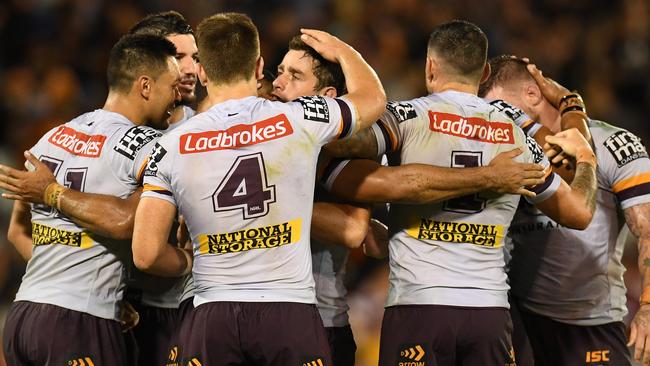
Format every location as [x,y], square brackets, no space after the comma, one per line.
[137,54]
[504,70]
[162,24]
[229,47]
[462,45]
[327,73]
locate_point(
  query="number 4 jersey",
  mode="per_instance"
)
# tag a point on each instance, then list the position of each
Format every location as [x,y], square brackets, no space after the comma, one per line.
[97,152]
[242,174]
[450,253]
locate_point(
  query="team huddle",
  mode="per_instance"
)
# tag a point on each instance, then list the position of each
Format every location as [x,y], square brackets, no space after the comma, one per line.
[157,234]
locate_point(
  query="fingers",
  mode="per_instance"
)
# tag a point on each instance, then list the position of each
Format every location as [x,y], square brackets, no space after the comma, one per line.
[9,184]
[13,197]
[531,182]
[314,34]
[512,153]
[632,335]
[646,351]
[9,171]
[526,193]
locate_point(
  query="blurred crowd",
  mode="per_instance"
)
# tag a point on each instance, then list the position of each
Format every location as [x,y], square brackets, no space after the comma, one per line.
[53,56]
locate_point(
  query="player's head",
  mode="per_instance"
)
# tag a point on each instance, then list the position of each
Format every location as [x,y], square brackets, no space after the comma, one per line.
[229,48]
[304,71]
[510,80]
[173,26]
[143,67]
[457,52]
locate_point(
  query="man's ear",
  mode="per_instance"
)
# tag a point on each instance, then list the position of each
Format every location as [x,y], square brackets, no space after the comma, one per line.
[329,91]
[203,78]
[144,86]
[259,69]
[486,73]
[430,70]
[533,94]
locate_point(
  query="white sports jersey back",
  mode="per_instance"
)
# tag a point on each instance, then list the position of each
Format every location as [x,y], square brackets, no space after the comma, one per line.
[576,276]
[450,253]
[242,175]
[97,152]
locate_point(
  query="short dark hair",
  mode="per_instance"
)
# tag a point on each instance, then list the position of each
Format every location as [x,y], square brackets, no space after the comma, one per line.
[462,45]
[327,73]
[137,54]
[229,47]
[162,24]
[505,69]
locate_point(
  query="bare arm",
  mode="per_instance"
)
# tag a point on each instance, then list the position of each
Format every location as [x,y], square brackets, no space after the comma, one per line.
[368,181]
[573,206]
[638,220]
[340,223]
[360,145]
[151,253]
[376,243]
[20,229]
[105,215]
[364,88]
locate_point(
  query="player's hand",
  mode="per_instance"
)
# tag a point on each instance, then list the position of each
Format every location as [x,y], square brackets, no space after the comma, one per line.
[183,235]
[26,185]
[376,242]
[129,317]
[640,335]
[327,45]
[570,142]
[510,177]
[551,90]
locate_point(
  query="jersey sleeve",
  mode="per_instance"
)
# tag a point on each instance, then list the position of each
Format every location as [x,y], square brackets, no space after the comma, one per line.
[157,174]
[134,144]
[521,119]
[625,162]
[324,118]
[387,128]
[535,154]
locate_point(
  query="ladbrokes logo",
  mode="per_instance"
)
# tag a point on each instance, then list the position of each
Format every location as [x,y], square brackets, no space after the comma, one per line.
[255,238]
[458,232]
[414,354]
[45,235]
[78,143]
[236,136]
[471,128]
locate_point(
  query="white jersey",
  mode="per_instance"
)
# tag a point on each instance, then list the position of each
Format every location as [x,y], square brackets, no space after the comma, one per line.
[450,253]
[573,276]
[98,152]
[242,174]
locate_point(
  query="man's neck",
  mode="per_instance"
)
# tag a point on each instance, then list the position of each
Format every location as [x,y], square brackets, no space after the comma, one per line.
[456,86]
[219,93]
[550,117]
[121,103]
[177,114]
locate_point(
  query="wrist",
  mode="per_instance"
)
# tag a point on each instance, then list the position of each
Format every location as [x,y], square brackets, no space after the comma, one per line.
[644,299]
[52,195]
[586,155]
[188,262]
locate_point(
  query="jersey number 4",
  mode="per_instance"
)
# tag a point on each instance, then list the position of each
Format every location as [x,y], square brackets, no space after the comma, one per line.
[245,188]
[472,203]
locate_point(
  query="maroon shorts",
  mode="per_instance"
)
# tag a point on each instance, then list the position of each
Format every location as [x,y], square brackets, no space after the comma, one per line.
[154,334]
[556,343]
[44,334]
[243,333]
[436,335]
[520,342]
[342,345]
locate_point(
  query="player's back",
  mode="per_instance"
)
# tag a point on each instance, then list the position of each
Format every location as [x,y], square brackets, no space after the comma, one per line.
[450,253]
[576,276]
[97,152]
[242,175]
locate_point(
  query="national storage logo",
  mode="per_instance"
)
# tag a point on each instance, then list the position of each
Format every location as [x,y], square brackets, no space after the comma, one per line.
[78,143]
[265,237]
[236,136]
[484,235]
[471,128]
[46,235]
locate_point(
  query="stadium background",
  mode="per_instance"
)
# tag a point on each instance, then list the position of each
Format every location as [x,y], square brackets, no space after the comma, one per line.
[53,56]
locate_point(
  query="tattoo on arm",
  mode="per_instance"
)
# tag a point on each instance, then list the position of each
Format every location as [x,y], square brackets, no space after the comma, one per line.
[585,182]
[638,221]
[360,145]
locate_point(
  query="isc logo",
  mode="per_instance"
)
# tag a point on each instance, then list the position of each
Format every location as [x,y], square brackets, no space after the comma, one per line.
[598,356]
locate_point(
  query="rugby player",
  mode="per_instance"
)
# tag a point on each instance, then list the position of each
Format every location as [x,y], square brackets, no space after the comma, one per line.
[242,175]
[576,291]
[55,319]
[448,293]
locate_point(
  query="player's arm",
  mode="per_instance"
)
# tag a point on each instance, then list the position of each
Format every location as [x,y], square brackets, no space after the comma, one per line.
[151,252]
[376,242]
[20,229]
[638,220]
[105,215]
[368,181]
[343,224]
[364,88]
[573,205]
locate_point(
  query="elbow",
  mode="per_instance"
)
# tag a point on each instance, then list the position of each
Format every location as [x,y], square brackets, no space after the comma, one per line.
[143,260]
[578,220]
[123,230]
[356,234]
